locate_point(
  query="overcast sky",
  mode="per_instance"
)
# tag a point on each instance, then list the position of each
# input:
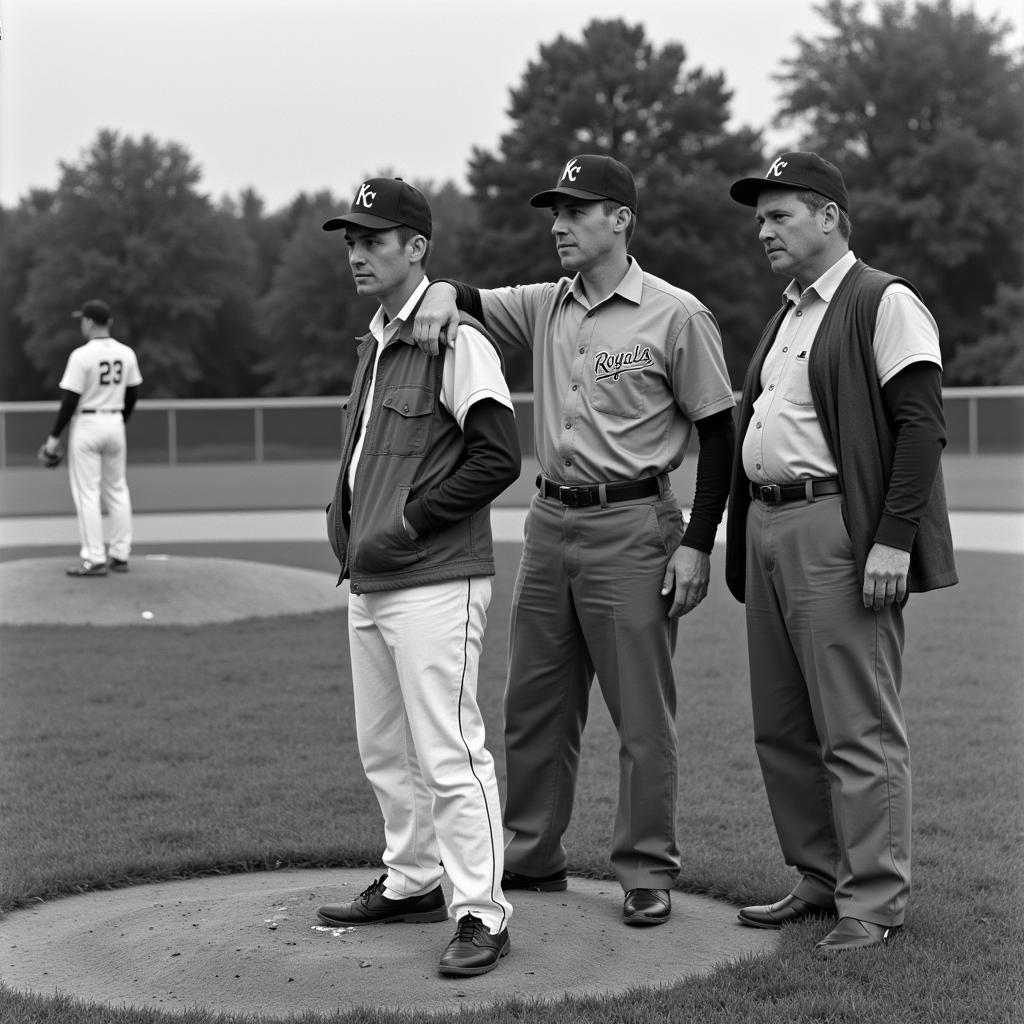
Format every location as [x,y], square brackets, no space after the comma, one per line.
[300,95]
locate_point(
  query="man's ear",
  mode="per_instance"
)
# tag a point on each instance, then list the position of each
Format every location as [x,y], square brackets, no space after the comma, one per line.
[623,216]
[829,217]
[417,248]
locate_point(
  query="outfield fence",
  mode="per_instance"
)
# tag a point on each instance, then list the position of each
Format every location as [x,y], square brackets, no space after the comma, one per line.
[172,432]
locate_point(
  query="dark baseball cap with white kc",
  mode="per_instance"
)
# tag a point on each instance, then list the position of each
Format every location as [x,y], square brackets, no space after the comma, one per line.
[383,203]
[592,177]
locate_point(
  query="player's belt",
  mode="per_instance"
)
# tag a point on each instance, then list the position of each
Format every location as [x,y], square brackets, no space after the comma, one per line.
[806,490]
[90,412]
[581,495]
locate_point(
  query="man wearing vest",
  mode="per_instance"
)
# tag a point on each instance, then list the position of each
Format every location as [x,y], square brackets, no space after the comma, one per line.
[428,442]
[837,511]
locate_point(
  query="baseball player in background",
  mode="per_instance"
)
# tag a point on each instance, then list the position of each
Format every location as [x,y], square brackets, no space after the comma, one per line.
[428,442]
[98,393]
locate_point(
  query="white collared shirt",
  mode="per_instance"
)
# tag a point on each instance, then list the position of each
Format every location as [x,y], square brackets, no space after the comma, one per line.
[784,441]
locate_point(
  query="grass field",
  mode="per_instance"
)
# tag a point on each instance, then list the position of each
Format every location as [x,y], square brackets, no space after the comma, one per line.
[129,755]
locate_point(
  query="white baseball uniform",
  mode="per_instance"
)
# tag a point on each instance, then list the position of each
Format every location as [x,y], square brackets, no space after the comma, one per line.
[99,372]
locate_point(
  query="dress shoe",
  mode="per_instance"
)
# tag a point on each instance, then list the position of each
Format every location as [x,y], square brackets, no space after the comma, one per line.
[118,564]
[474,950]
[558,882]
[373,907]
[88,568]
[850,933]
[789,909]
[646,906]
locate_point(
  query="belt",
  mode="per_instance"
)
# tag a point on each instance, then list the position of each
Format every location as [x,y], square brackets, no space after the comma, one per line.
[89,412]
[581,495]
[806,490]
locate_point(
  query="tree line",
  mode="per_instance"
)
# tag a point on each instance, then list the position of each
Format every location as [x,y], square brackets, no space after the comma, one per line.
[920,107]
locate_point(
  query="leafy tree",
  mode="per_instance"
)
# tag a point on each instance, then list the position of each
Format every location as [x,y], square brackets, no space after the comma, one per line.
[129,225]
[614,92]
[311,314]
[921,107]
[997,357]
[20,381]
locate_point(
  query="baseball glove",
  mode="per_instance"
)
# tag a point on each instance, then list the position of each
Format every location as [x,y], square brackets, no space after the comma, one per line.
[50,459]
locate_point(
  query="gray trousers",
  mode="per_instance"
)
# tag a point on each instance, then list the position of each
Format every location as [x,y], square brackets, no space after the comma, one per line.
[588,598]
[825,675]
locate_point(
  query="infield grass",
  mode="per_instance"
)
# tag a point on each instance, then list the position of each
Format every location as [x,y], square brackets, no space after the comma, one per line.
[146,753]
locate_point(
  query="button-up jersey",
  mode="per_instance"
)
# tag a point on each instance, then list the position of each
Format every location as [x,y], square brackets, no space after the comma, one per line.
[617,385]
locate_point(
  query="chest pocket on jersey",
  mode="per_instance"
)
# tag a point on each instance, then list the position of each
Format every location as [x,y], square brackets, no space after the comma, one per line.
[405,418]
[620,383]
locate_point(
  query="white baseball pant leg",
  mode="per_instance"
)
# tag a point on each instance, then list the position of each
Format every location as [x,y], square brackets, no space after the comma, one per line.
[97,460]
[415,656]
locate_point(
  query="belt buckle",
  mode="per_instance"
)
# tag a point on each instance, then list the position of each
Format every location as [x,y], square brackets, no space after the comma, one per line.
[573,497]
[770,493]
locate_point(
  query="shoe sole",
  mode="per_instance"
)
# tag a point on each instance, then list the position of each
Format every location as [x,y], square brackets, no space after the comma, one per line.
[465,972]
[638,920]
[420,917]
[119,568]
[85,575]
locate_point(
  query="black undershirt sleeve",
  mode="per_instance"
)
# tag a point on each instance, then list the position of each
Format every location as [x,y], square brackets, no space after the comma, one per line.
[714,472]
[913,406]
[467,298]
[131,396]
[68,404]
[491,464]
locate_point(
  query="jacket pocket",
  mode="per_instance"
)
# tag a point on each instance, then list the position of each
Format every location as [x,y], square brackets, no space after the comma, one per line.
[406,414]
[384,545]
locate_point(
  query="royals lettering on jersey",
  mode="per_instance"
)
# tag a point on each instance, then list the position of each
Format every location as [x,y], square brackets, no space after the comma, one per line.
[612,364]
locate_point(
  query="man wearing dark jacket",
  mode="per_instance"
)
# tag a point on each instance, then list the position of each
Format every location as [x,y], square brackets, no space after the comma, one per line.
[836,512]
[428,443]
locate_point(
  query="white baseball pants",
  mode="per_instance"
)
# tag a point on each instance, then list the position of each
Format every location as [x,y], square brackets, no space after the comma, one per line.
[415,655]
[97,455]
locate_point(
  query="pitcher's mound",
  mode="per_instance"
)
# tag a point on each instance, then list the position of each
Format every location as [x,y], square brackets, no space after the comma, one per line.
[161,590]
[252,944]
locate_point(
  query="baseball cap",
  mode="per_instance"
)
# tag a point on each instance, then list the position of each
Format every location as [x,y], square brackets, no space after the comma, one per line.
[592,177]
[795,170]
[383,203]
[94,309]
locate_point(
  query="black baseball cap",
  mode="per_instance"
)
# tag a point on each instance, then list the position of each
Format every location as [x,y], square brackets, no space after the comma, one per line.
[592,177]
[94,309]
[795,170]
[383,203]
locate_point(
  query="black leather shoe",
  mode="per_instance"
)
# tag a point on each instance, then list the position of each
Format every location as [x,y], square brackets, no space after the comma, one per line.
[558,882]
[118,564]
[474,950]
[789,909]
[373,907]
[646,906]
[850,933]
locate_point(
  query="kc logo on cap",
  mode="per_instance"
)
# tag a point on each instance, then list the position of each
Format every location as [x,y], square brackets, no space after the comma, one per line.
[592,177]
[394,204]
[795,171]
